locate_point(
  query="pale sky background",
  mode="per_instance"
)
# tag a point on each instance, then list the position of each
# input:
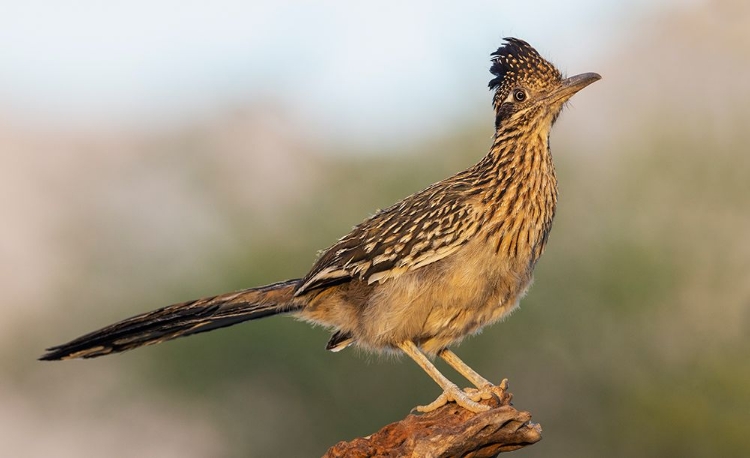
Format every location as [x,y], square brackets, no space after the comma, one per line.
[347,66]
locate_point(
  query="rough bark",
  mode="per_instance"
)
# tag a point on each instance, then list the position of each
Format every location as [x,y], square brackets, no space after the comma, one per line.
[449,431]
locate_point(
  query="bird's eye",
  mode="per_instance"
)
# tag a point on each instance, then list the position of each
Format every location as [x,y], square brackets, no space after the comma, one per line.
[519,95]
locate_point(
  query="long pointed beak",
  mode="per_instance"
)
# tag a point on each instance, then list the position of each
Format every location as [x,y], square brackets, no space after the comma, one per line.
[574,84]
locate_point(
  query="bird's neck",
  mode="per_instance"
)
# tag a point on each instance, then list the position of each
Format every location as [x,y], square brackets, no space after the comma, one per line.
[520,189]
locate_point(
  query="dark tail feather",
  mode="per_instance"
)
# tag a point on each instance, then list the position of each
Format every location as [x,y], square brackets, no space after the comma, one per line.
[180,320]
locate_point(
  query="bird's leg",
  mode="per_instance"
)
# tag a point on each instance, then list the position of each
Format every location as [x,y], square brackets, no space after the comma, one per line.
[470,374]
[451,392]
[484,387]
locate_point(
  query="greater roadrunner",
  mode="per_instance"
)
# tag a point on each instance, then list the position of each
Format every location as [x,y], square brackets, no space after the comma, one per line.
[424,273]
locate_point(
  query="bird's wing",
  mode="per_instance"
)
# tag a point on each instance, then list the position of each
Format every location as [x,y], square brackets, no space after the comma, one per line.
[421,229]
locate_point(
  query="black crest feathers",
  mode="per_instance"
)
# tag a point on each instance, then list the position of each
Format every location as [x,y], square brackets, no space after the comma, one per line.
[501,59]
[516,60]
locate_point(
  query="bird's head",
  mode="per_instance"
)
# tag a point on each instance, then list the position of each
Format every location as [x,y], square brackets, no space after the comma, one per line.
[527,87]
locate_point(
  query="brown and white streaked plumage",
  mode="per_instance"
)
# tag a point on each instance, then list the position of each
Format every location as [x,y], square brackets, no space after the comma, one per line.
[423,274]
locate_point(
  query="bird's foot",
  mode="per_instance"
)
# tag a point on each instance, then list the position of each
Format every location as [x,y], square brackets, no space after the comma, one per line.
[489,391]
[466,399]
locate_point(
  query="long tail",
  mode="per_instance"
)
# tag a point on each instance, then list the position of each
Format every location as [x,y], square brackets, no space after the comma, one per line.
[180,320]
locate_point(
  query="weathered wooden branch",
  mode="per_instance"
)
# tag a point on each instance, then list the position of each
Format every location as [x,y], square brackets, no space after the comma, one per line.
[449,431]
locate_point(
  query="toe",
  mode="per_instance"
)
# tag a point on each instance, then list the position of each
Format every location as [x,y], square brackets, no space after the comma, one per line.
[466,401]
[441,400]
[479,394]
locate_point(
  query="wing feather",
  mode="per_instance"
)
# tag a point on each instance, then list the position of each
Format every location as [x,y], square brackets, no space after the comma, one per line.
[420,230]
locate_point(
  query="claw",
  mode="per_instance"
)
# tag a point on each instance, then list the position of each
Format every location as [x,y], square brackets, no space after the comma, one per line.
[488,391]
[478,394]
[467,400]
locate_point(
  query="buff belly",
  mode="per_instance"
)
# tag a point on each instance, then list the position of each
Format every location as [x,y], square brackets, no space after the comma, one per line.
[434,306]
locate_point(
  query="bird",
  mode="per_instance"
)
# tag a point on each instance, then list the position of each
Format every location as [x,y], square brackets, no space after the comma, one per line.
[418,277]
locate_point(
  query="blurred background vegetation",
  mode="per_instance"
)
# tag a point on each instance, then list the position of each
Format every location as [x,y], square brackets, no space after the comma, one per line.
[634,341]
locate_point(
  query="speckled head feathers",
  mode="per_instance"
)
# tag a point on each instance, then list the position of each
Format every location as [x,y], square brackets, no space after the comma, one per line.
[516,63]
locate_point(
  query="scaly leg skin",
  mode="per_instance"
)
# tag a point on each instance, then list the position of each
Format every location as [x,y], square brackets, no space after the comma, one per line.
[485,389]
[451,393]
[462,368]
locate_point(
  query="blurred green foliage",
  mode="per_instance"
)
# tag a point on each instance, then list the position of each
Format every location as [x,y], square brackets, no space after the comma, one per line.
[632,342]
[608,350]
